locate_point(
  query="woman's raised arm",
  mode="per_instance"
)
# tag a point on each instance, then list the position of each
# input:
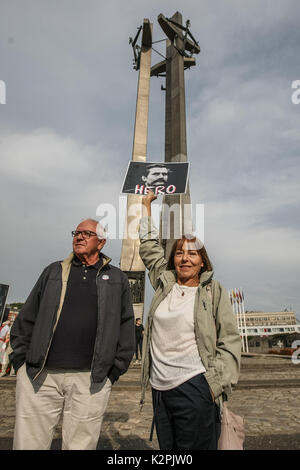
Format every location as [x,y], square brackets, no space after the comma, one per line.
[151,251]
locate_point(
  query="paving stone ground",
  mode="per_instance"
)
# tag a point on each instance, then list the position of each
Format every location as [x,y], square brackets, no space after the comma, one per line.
[267,396]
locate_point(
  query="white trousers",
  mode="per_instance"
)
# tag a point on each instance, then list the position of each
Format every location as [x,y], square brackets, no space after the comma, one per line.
[40,403]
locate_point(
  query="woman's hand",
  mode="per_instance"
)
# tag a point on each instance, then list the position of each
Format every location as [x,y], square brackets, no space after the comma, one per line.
[146,202]
[148,198]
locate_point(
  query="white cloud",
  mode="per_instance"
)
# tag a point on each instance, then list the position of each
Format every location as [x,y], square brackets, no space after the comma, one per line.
[263,261]
[43,159]
[49,183]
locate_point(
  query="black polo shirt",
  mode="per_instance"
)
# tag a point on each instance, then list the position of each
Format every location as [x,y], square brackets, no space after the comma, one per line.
[73,342]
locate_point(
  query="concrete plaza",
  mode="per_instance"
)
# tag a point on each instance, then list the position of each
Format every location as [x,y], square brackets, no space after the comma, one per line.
[267,396]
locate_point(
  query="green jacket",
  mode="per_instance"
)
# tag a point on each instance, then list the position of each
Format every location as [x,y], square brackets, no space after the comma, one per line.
[217,335]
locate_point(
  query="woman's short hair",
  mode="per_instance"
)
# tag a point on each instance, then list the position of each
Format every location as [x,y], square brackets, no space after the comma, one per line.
[198,245]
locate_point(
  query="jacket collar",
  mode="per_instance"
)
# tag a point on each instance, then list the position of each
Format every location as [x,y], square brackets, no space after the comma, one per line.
[68,260]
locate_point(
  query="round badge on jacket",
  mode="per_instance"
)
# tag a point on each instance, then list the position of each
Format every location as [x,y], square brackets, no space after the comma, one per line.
[105,277]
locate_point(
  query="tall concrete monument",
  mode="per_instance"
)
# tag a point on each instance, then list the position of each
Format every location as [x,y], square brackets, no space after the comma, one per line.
[180,47]
[131,262]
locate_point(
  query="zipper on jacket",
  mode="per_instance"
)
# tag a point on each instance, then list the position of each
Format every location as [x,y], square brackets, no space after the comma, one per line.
[98,273]
[146,374]
[196,326]
[57,314]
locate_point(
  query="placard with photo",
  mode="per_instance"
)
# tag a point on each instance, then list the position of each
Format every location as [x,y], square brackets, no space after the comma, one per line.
[161,178]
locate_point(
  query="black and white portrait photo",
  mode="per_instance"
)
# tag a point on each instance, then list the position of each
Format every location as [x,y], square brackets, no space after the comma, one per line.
[161,178]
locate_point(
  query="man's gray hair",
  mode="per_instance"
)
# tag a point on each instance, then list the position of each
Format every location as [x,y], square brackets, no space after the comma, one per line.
[100,230]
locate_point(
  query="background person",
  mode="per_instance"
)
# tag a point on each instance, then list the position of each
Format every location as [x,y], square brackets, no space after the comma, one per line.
[72,339]
[192,347]
[4,343]
[139,331]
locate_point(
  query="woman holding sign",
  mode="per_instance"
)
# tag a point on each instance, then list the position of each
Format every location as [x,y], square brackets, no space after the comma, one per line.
[192,348]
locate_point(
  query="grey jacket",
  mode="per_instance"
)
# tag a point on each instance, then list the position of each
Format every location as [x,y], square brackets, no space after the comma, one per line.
[216,332]
[33,330]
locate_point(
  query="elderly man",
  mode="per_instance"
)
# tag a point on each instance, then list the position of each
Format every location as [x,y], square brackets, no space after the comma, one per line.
[72,340]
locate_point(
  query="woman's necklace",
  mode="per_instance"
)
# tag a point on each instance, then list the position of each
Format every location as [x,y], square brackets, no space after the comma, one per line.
[183,289]
[176,291]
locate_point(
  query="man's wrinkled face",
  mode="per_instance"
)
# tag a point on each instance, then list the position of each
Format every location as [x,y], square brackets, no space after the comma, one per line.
[85,245]
[156,176]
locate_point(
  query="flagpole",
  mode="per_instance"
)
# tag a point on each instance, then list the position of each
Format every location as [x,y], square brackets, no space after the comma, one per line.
[240,318]
[235,310]
[244,317]
[232,306]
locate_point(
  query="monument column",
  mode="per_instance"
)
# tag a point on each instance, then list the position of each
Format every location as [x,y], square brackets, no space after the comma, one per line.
[131,262]
[176,214]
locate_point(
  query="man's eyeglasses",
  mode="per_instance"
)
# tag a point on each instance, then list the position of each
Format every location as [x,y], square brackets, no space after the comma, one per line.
[84,233]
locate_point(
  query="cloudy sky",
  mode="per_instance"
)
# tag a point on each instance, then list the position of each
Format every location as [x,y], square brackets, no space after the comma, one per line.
[66,133]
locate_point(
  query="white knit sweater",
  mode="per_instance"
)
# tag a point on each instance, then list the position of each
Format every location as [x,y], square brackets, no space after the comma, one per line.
[174,352]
